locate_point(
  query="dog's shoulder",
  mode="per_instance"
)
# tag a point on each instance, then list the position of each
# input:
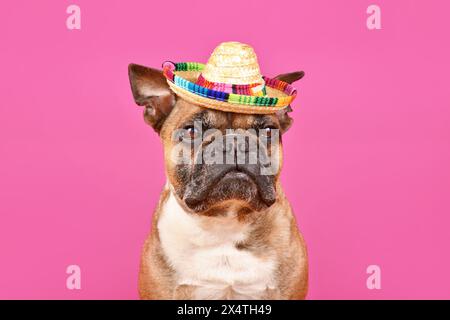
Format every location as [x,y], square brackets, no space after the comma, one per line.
[155,275]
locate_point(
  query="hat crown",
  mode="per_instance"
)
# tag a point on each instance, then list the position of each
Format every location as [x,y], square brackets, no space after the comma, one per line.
[233,63]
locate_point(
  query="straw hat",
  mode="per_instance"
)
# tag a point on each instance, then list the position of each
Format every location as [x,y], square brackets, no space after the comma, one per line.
[230,81]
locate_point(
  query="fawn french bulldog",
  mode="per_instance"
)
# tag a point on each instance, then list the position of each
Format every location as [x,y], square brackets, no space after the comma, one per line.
[220,230]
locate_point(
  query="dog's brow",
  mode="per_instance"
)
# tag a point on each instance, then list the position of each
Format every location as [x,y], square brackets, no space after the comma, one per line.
[201,117]
[262,120]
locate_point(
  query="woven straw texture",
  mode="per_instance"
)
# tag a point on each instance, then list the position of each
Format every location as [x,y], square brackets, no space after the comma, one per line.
[231,81]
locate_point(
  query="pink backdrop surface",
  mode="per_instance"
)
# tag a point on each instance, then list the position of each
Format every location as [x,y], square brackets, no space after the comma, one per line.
[366,162]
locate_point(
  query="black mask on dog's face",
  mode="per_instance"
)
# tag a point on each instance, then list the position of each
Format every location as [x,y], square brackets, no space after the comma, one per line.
[214,159]
[226,157]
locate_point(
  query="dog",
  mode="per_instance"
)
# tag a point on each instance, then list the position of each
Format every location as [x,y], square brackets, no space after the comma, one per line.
[219,231]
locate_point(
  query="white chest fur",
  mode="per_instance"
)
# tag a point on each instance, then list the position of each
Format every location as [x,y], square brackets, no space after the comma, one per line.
[203,254]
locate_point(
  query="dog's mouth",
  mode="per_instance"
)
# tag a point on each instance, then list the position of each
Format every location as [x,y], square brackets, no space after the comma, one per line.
[213,186]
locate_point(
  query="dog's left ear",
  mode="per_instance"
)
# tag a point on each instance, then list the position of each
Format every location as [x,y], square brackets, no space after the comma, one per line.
[150,90]
[283,117]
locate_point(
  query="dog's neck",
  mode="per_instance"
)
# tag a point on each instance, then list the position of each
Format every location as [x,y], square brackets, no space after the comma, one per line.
[190,225]
[233,210]
[174,215]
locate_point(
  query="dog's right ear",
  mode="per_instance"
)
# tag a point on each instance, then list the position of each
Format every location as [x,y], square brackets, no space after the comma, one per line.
[150,90]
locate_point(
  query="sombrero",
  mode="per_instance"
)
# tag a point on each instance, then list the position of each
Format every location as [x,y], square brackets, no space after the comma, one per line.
[230,81]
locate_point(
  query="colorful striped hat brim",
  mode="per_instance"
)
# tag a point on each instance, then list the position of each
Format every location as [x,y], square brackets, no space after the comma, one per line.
[186,81]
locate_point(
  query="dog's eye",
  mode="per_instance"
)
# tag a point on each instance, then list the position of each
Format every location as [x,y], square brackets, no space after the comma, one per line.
[267,131]
[190,133]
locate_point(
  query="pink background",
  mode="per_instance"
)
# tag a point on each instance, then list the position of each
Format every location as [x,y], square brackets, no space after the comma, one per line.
[366,162]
